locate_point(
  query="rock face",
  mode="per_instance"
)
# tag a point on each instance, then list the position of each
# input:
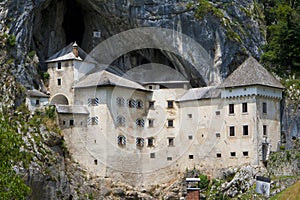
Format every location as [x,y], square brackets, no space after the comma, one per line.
[48,25]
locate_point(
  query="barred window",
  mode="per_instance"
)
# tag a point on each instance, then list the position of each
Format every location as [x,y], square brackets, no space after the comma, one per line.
[93,101]
[121,140]
[121,101]
[93,120]
[131,103]
[120,120]
[140,141]
[140,122]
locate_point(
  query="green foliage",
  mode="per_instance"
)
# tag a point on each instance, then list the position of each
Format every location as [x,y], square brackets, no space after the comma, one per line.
[11,184]
[292,91]
[46,76]
[283,36]
[204,182]
[11,40]
[282,147]
[31,54]
[50,112]
[204,7]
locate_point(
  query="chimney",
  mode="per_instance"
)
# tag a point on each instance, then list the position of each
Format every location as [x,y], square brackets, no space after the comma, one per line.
[75,49]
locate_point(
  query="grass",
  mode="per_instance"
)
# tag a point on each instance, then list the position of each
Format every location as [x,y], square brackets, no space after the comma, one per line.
[291,193]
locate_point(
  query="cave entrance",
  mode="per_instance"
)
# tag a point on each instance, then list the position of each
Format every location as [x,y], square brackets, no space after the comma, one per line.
[73,23]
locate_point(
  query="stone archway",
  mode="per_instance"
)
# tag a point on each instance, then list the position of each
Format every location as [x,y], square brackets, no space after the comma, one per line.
[59,99]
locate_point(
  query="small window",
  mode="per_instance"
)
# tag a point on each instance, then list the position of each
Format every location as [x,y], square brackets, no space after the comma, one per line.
[151,122]
[245,153]
[150,142]
[218,112]
[120,121]
[218,134]
[170,123]
[37,102]
[244,107]
[190,116]
[64,122]
[59,65]
[131,103]
[150,87]
[140,122]
[171,141]
[219,155]
[232,154]
[264,107]
[265,133]
[231,131]
[71,122]
[169,158]
[245,130]
[120,102]
[191,157]
[93,120]
[93,101]
[152,155]
[231,108]
[139,142]
[96,162]
[190,137]
[140,104]
[151,104]
[58,81]
[121,140]
[170,104]
[230,90]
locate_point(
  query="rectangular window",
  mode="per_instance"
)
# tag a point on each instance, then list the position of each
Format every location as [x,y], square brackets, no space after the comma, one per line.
[245,153]
[151,104]
[170,123]
[264,107]
[170,104]
[121,140]
[245,130]
[219,155]
[231,108]
[218,134]
[150,142]
[244,107]
[152,155]
[171,141]
[59,65]
[190,137]
[140,122]
[58,81]
[96,162]
[169,158]
[218,112]
[265,133]
[93,101]
[94,121]
[139,141]
[190,116]
[151,122]
[71,122]
[37,102]
[231,131]
[120,101]
[191,157]
[64,122]
[232,154]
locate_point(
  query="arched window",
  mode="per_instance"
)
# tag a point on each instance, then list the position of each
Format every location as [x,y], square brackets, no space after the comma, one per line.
[120,120]
[121,140]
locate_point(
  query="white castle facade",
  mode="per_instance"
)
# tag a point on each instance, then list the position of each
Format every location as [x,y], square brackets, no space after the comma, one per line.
[148,130]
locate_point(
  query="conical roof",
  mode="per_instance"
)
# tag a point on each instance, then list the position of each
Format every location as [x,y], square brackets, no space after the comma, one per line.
[251,72]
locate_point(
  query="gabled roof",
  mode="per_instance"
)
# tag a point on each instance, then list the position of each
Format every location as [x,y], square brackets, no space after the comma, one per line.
[67,54]
[250,72]
[105,78]
[36,93]
[66,109]
[200,93]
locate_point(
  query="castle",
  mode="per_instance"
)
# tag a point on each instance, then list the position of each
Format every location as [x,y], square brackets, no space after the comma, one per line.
[146,127]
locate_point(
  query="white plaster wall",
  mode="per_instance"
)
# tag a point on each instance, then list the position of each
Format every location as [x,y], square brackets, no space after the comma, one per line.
[31,103]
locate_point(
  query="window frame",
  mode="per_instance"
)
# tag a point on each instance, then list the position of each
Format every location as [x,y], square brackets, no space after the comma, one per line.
[170,123]
[231,109]
[151,104]
[59,81]
[59,66]
[140,142]
[245,130]
[244,107]
[170,104]
[171,141]
[121,140]
[264,108]
[231,131]
[265,130]
[150,144]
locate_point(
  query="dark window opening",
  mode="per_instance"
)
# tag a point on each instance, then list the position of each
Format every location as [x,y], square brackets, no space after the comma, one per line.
[121,140]
[37,102]
[245,153]
[232,154]
[219,155]
[190,116]
[96,162]
[218,112]
[151,122]
[170,104]
[169,158]
[190,137]
[58,81]
[150,142]
[151,104]
[231,108]
[218,134]
[59,65]
[245,130]
[140,122]
[265,130]
[71,122]
[139,142]
[152,155]
[73,23]
[191,157]
[171,141]
[264,108]
[231,131]
[170,123]
[140,104]
[244,107]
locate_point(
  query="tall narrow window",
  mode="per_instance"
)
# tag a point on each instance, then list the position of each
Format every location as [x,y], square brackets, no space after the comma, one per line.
[245,130]
[139,142]
[37,102]
[265,133]
[264,107]
[59,81]
[244,107]
[170,104]
[151,122]
[150,141]
[71,122]
[231,131]
[231,108]
[59,65]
